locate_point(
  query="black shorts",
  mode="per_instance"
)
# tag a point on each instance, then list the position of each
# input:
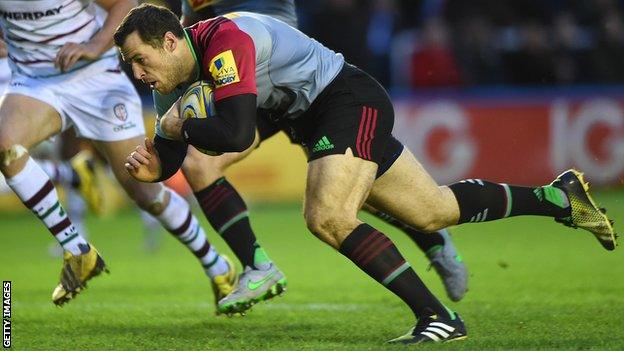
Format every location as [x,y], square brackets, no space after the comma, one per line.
[353,111]
[266,128]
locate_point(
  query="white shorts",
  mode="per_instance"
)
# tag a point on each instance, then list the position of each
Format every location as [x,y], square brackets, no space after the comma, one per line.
[101,105]
[5,74]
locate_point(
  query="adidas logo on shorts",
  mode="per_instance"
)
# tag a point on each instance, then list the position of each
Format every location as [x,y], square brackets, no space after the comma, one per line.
[322,144]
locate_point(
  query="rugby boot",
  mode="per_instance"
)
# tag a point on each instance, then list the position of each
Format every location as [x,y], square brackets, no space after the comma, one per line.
[90,188]
[450,267]
[584,213]
[434,329]
[254,286]
[224,284]
[76,272]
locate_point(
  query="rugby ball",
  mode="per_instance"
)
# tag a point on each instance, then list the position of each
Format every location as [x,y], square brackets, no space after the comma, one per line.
[198,102]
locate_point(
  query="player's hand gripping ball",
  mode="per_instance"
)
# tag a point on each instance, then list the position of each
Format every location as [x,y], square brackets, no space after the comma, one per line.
[198,102]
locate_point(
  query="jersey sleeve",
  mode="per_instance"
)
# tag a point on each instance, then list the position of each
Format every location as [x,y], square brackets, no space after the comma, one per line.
[230,61]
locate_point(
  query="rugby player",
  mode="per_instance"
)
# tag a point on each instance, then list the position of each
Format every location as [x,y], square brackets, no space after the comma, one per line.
[65,72]
[205,175]
[255,62]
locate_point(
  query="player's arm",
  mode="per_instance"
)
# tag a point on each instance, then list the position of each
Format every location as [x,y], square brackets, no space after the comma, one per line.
[231,130]
[70,53]
[161,158]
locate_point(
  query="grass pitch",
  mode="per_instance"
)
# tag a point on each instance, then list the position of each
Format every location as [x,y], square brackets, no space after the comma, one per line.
[534,285]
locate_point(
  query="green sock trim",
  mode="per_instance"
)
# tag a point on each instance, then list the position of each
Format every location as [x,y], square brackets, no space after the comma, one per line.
[232,221]
[188,241]
[212,263]
[434,249]
[555,196]
[402,268]
[451,313]
[68,239]
[509,200]
[50,210]
[260,256]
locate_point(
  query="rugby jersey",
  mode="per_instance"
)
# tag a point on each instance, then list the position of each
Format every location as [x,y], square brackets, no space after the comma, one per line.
[35,30]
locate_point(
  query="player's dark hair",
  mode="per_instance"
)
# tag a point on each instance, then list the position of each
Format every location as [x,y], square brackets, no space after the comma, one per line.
[151,23]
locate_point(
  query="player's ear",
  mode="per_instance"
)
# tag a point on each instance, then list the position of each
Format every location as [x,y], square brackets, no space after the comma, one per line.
[170,42]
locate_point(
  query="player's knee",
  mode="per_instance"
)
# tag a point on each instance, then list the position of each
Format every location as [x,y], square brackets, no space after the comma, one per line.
[200,166]
[432,221]
[154,204]
[149,197]
[329,225]
[10,152]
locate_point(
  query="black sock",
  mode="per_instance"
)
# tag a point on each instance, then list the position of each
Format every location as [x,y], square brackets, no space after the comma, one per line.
[425,241]
[227,212]
[481,201]
[377,256]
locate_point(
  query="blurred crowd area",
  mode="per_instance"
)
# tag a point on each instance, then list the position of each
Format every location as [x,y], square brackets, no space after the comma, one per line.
[450,43]
[433,43]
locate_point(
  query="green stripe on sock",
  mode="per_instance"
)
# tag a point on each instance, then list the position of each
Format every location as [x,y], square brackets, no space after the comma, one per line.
[451,313]
[234,219]
[194,236]
[555,196]
[434,249]
[56,205]
[396,273]
[70,238]
[207,266]
[509,200]
[260,256]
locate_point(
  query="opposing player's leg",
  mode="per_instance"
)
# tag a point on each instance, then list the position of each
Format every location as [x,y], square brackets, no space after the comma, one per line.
[18,113]
[406,190]
[227,212]
[173,212]
[80,178]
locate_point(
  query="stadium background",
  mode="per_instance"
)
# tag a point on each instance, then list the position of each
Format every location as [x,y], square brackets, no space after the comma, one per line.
[502,90]
[499,89]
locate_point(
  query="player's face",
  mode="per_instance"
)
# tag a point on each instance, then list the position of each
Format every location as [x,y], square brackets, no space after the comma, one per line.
[153,66]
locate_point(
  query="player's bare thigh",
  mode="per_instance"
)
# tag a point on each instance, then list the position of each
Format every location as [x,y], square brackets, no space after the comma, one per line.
[24,121]
[201,170]
[336,188]
[407,192]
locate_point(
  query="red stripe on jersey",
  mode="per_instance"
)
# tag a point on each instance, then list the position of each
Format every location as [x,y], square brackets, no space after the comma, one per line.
[68,33]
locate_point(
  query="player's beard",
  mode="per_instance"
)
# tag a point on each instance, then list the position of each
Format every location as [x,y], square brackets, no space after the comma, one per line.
[171,75]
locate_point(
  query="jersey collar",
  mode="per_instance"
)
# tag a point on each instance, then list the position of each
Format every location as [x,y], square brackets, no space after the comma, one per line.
[190,45]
